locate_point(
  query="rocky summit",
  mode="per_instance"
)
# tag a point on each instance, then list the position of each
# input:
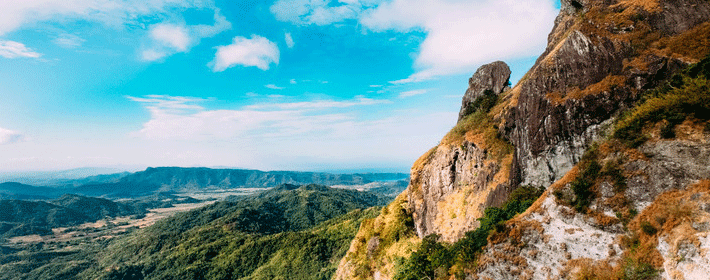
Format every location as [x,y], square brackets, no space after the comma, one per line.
[610,125]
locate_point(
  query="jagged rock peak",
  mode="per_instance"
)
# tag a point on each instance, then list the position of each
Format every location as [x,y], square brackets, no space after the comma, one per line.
[573,6]
[494,76]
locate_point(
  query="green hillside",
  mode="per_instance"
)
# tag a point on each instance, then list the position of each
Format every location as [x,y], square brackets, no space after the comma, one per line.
[288,232]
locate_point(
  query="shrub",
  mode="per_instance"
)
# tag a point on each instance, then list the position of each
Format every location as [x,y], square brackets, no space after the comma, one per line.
[647,228]
[685,95]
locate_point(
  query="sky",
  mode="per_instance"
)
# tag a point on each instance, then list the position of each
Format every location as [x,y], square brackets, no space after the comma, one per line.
[310,85]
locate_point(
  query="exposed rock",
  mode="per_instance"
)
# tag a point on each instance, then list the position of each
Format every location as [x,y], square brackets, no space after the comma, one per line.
[494,76]
[670,165]
[601,57]
[455,178]
[581,81]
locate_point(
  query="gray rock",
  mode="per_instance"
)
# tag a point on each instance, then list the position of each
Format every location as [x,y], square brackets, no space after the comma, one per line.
[494,76]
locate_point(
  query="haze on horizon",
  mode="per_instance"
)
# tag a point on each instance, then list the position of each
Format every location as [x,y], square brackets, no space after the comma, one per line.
[271,85]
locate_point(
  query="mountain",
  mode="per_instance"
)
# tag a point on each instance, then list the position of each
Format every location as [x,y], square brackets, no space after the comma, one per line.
[611,122]
[179,179]
[13,190]
[19,217]
[288,232]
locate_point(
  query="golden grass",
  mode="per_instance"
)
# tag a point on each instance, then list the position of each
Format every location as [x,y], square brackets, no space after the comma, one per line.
[692,45]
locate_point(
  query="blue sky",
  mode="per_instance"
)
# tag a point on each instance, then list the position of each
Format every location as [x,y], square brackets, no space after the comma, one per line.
[297,85]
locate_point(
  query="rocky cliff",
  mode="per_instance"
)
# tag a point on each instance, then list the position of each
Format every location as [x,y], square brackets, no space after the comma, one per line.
[614,73]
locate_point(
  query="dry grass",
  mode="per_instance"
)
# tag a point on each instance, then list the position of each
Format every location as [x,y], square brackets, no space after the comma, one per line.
[692,45]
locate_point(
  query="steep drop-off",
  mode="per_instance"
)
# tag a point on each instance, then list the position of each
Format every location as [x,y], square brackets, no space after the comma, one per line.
[607,65]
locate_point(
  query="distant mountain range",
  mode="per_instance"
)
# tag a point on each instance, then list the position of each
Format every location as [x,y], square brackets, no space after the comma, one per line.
[180,180]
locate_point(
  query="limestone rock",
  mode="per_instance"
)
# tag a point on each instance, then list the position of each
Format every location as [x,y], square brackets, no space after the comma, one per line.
[494,76]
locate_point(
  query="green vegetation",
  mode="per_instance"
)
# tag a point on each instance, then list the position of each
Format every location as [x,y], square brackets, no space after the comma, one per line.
[483,103]
[21,217]
[583,183]
[632,270]
[434,260]
[289,232]
[685,95]
[648,228]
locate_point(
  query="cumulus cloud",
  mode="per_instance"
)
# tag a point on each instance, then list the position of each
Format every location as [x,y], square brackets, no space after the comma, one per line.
[289,40]
[170,38]
[464,34]
[8,136]
[12,49]
[460,34]
[69,41]
[257,52]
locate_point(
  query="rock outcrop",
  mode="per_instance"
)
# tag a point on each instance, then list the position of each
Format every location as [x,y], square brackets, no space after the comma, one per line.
[493,77]
[602,57]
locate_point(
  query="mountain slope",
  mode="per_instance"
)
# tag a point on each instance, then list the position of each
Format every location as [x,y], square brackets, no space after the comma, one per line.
[603,59]
[299,231]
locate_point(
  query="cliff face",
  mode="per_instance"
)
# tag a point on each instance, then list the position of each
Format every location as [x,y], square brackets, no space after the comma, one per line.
[603,59]
[600,56]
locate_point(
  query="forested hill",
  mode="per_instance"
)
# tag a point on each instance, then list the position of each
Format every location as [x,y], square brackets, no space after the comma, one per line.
[288,232]
[180,179]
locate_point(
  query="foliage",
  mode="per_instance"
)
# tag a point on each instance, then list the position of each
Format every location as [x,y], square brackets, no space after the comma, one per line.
[648,228]
[483,103]
[433,259]
[289,232]
[634,270]
[685,95]
[19,217]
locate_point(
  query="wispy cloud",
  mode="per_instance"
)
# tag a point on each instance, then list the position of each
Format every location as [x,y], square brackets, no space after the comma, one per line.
[318,12]
[273,86]
[15,15]
[289,40]
[299,132]
[69,41]
[8,136]
[292,81]
[412,93]
[319,104]
[12,49]
[257,52]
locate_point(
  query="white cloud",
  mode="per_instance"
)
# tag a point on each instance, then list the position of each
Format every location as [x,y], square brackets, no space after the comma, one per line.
[257,52]
[170,38]
[15,15]
[289,40]
[273,86]
[8,136]
[276,139]
[69,41]
[412,93]
[293,81]
[319,104]
[319,12]
[461,35]
[12,49]
[171,35]
[166,38]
